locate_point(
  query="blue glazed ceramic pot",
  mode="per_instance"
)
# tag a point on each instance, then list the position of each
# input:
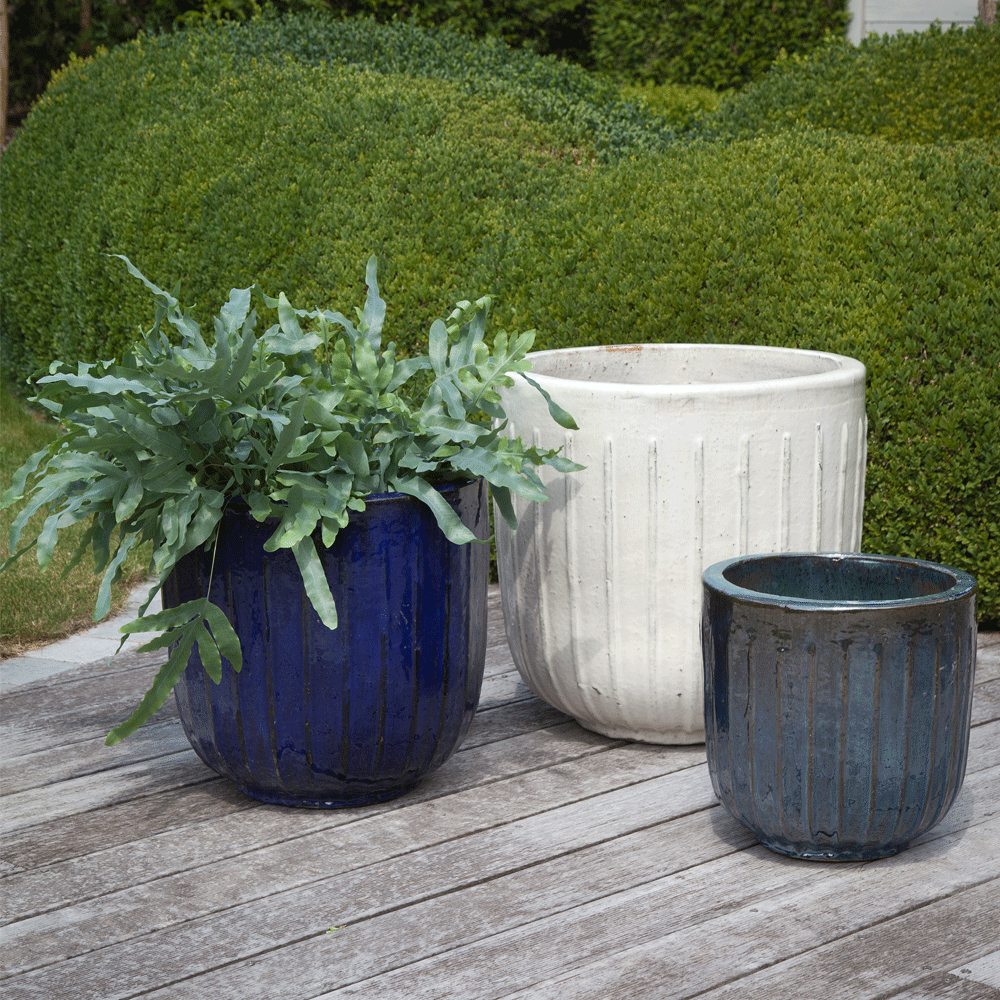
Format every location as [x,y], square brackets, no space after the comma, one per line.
[838,693]
[358,714]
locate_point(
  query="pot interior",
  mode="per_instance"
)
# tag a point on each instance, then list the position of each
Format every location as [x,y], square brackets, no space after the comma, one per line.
[837,579]
[680,364]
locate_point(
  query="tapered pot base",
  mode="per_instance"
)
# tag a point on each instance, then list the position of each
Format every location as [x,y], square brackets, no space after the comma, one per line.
[810,852]
[345,798]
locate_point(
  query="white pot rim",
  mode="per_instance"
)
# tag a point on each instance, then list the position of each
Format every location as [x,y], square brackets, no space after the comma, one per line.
[783,369]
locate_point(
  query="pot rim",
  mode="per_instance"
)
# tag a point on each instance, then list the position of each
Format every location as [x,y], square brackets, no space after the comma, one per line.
[233,502]
[714,578]
[845,371]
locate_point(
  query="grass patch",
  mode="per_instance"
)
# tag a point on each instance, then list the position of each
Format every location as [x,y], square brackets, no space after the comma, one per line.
[39,607]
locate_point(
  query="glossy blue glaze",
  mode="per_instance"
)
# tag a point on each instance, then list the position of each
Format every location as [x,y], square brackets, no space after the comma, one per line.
[838,696]
[358,714]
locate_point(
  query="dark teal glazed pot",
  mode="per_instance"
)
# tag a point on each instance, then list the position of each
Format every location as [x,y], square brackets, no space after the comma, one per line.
[838,695]
[355,715]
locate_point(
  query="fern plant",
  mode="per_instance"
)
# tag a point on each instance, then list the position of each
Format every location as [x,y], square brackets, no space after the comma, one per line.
[301,423]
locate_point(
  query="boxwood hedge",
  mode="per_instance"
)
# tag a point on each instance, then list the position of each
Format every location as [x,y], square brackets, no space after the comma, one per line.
[922,87]
[886,253]
[267,152]
[290,175]
[715,43]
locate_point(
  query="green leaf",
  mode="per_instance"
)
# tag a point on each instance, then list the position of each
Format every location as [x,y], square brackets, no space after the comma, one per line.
[448,521]
[314,579]
[438,346]
[558,414]
[225,636]
[287,436]
[353,452]
[169,618]
[130,501]
[374,314]
[501,496]
[46,540]
[160,690]
[103,605]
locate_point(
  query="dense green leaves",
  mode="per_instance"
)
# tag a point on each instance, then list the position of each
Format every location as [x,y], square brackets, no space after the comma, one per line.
[886,253]
[301,422]
[930,86]
[716,43]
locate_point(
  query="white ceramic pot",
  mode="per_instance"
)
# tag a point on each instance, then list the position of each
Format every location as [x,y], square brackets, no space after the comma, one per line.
[694,453]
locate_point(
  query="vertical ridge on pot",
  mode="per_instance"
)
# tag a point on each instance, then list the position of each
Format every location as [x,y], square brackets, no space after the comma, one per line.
[743,493]
[785,487]
[817,537]
[859,482]
[653,690]
[842,470]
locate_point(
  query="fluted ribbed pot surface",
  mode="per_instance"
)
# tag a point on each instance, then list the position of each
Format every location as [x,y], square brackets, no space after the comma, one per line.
[693,452]
[358,714]
[838,698]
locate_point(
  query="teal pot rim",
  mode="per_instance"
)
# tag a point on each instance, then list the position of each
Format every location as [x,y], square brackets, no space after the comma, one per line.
[892,582]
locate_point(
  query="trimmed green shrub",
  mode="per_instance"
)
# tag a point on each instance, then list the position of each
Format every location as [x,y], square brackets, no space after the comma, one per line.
[212,158]
[718,43]
[923,87]
[682,106]
[196,154]
[290,175]
[556,27]
[45,33]
[889,254]
[587,109]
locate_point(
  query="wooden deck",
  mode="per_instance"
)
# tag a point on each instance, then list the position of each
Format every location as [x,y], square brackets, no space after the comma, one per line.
[541,861]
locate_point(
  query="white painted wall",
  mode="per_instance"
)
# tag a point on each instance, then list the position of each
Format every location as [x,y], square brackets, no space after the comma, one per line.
[890,16]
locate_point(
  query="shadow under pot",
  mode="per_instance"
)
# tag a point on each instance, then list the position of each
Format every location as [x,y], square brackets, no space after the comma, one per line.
[358,714]
[838,696]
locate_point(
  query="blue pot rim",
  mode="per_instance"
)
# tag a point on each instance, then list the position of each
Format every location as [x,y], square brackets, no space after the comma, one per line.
[238,503]
[714,578]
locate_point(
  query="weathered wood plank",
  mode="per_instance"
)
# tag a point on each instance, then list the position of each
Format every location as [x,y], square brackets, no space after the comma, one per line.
[132,820]
[410,934]
[359,883]
[890,954]
[652,941]
[89,755]
[94,791]
[476,790]
[434,874]
[504,688]
[985,970]
[988,657]
[43,715]
[946,987]
[86,757]
[986,702]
